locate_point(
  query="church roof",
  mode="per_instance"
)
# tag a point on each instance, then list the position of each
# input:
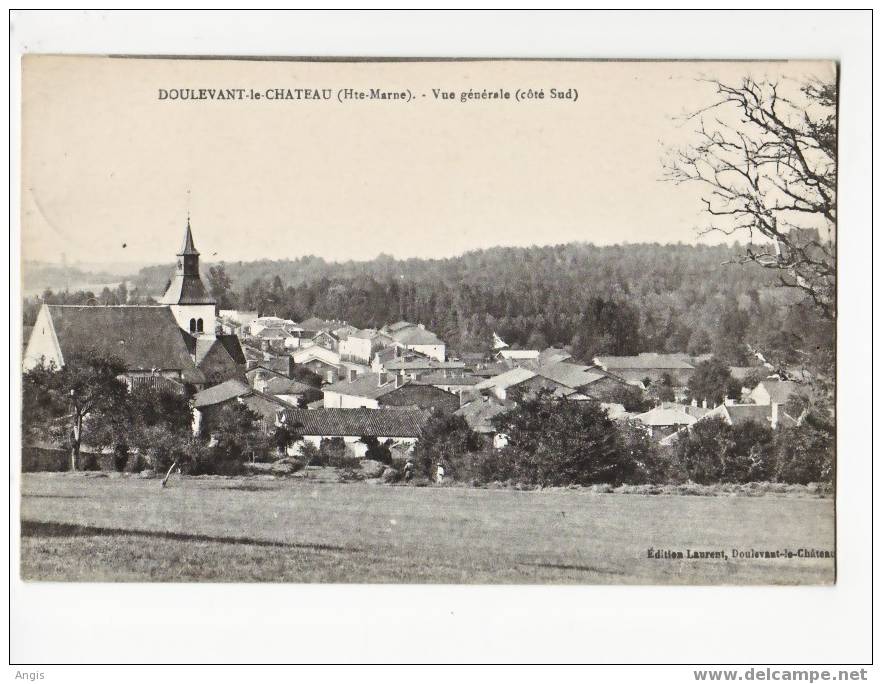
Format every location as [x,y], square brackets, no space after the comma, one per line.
[142,337]
[185,289]
[188,248]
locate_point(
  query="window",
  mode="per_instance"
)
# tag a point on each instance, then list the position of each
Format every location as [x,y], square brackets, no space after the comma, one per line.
[192,325]
[199,325]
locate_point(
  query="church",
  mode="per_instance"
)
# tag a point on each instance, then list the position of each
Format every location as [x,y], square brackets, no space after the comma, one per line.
[172,344]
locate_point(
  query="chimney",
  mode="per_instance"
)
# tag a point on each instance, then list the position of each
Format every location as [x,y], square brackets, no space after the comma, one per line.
[774,415]
[352,374]
[704,403]
[383,378]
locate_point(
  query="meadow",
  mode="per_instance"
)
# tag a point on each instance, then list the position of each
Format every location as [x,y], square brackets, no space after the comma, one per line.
[258,529]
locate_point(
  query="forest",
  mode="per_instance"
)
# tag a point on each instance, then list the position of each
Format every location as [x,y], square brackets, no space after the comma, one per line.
[620,299]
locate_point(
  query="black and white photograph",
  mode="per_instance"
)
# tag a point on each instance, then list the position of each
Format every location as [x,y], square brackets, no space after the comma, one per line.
[305,320]
[479,322]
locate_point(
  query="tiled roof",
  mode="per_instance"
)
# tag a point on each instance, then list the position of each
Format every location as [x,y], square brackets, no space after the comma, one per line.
[571,374]
[143,337]
[400,325]
[422,364]
[365,385]
[480,412]
[335,422]
[648,361]
[280,385]
[663,416]
[441,379]
[510,378]
[553,355]
[220,393]
[742,413]
[186,289]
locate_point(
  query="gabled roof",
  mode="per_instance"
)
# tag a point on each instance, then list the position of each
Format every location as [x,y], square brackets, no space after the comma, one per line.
[742,413]
[780,390]
[571,374]
[665,416]
[333,422]
[366,385]
[480,412]
[553,355]
[231,389]
[280,385]
[142,337]
[509,378]
[316,351]
[644,361]
[397,326]
[416,336]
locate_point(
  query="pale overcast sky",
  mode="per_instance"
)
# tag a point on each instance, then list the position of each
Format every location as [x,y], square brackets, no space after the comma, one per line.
[106,162]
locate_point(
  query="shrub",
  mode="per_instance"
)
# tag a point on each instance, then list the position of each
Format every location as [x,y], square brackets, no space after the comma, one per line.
[713,451]
[447,439]
[804,454]
[376,451]
[311,455]
[560,442]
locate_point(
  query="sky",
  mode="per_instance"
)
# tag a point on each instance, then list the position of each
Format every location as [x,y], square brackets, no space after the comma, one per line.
[110,170]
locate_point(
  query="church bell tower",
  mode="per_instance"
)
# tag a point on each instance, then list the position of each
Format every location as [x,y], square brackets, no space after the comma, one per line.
[186,296]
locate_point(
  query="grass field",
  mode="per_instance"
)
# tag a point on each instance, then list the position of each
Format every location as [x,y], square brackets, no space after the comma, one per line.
[251,529]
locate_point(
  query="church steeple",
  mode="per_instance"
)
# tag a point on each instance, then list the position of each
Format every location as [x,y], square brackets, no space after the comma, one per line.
[188,248]
[191,303]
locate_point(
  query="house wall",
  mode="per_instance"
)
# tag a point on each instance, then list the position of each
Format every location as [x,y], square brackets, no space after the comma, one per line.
[337,400]
[759,395]
[433,351]
[218,366]
[352,442]
[356,348]
[43,344]
[184,312]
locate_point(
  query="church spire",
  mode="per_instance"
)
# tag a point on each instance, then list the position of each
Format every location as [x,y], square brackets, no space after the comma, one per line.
[188,248]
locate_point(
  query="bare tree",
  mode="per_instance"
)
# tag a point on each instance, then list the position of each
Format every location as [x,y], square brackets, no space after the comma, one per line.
[765,155]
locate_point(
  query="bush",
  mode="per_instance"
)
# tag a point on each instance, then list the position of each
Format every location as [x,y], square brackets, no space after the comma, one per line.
[555,442]
[804,455]
[311,455]
[713,451]
[376,451]
[447,439]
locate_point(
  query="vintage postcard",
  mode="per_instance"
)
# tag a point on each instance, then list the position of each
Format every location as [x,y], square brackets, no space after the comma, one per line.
[414,321]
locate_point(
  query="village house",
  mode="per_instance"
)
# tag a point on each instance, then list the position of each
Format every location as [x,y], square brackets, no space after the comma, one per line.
[176,340]
[320,360]
[449,382]
[771,391]
[208,404]
[418,339]
[378,390]
[479,414]
[415,367]
[403,427]
[517,355]
[655,367]
[668,418]
[361,345]
[236,322]
[259,324]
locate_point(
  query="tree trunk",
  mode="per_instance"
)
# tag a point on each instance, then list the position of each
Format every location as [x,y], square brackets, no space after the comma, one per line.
[168,474]
[75,442]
